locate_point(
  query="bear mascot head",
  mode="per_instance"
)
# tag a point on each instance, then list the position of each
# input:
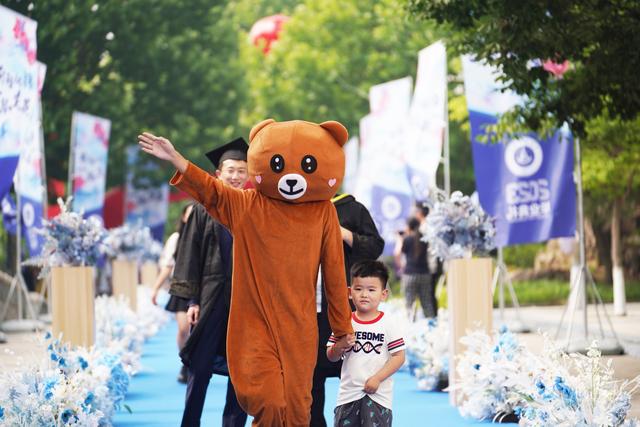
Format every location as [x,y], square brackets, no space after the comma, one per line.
[297,161]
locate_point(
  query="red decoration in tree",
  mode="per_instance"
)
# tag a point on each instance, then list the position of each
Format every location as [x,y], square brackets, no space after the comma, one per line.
[556,69]
[267,29]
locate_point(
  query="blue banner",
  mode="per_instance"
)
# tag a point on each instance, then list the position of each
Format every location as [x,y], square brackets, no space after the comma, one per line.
[389,210]
[9,213]
[32,215]
[525,183]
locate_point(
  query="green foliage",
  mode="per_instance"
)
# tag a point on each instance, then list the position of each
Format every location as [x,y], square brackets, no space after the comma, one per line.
[556,292]
[171,67]
[330,54]
[611,159]
[522,256]
[594,36]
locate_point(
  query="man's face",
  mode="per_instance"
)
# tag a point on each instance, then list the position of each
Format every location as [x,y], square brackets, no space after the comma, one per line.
[233,173]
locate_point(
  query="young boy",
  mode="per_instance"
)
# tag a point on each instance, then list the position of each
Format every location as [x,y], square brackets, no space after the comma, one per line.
[366,386]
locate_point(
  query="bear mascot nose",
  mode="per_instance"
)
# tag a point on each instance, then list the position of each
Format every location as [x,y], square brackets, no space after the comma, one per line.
[291,182]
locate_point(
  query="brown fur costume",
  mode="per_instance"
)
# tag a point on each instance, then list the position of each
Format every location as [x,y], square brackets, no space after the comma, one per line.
[283,230]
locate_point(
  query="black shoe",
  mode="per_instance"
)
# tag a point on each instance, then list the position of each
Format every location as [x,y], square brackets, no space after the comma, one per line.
[182,376]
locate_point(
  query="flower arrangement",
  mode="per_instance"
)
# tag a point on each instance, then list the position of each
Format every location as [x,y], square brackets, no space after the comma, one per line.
[129,242]
[71,240]
[428,352]
[80,386]
[491,372]
[556,396]
[457,227]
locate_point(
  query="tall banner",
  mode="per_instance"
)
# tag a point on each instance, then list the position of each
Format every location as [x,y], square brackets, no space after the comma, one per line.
[18,90]
[382,184]
[352,158]
[88,163]
[146,201]
[30,178]
[525,182]
[427,120]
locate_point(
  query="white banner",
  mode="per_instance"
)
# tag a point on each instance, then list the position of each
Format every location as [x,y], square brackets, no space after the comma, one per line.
[30,180]
[382,184]
[18,90]
[427,120]
[145,202]
[88,166]
[351,154]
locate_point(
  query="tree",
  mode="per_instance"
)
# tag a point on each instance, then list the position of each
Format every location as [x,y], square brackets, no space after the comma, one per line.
[170,66]
[330,53]
[517,37]
[611,176]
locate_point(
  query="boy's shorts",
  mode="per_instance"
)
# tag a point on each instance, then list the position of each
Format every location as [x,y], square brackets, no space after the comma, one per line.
[364,412]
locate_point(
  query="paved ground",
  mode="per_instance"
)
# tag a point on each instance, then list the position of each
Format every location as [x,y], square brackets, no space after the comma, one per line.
[26,348]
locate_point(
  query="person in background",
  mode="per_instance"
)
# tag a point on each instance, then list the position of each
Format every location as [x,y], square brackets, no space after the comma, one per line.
[203,276]
[360,241]
[175,304]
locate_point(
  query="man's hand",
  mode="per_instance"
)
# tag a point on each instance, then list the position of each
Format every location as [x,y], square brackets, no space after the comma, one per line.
[162,148]
[372,384]
[344,343]
[347,236]
[193,314]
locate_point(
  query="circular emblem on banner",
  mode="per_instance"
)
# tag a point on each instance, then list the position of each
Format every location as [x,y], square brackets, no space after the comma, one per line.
[523,156]
[391,207]
[28,214]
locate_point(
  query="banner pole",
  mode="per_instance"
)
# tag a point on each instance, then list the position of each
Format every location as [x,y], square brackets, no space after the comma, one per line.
[72,146]
[580,289]
[447,164]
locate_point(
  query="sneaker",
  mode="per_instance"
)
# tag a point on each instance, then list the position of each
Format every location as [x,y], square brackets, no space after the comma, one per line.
[182,376]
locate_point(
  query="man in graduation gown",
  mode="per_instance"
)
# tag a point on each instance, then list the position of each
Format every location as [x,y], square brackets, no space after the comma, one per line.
[360,241]
[203,275]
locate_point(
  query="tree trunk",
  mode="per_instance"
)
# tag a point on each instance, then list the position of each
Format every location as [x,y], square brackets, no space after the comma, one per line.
[619,299]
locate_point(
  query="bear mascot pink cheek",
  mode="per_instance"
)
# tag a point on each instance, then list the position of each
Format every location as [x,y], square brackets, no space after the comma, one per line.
[284,230]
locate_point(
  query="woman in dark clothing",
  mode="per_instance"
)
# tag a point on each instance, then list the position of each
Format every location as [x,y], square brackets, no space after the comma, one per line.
[416,278]
[176,304]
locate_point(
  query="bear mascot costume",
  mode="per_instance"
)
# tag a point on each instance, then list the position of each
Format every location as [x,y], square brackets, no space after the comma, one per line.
[284,230]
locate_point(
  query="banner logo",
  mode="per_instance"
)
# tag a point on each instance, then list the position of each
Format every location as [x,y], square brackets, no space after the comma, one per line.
[523,156]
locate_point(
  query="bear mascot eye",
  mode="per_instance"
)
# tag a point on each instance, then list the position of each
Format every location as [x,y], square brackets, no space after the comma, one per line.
[277,163]
[309,164]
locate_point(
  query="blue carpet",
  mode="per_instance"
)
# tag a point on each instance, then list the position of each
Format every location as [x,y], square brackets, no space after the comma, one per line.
[157,399]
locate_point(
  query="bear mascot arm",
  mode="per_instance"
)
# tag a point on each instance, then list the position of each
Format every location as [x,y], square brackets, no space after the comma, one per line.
[226,204]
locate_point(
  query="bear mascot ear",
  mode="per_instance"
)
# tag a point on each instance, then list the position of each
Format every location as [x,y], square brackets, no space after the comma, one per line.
[257,128]
[336,130]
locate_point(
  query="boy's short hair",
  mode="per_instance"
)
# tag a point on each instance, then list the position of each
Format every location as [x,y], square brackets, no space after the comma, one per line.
[370,268]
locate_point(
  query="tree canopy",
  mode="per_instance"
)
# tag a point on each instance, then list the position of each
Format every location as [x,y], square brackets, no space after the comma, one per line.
[170,67]
[518,37]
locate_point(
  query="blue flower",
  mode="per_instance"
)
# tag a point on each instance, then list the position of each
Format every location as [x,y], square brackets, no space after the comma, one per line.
[89,399]
[49,384]
[620,408]
[83,363]
[476,366]
[567,393]
[541,387]
[62,362]
[54,357]
[1,412]
[67,416]
[47,335]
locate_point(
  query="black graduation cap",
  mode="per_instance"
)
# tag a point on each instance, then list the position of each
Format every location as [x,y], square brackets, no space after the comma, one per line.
[234,150]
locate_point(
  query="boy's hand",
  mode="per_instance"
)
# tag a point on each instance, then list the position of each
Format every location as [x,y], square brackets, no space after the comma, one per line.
[162,149]
[372,384]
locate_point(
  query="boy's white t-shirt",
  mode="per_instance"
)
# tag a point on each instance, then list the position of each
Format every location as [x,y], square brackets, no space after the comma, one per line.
[376,340]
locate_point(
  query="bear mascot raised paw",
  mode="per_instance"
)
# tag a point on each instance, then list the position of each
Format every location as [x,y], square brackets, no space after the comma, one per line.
[283,230]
